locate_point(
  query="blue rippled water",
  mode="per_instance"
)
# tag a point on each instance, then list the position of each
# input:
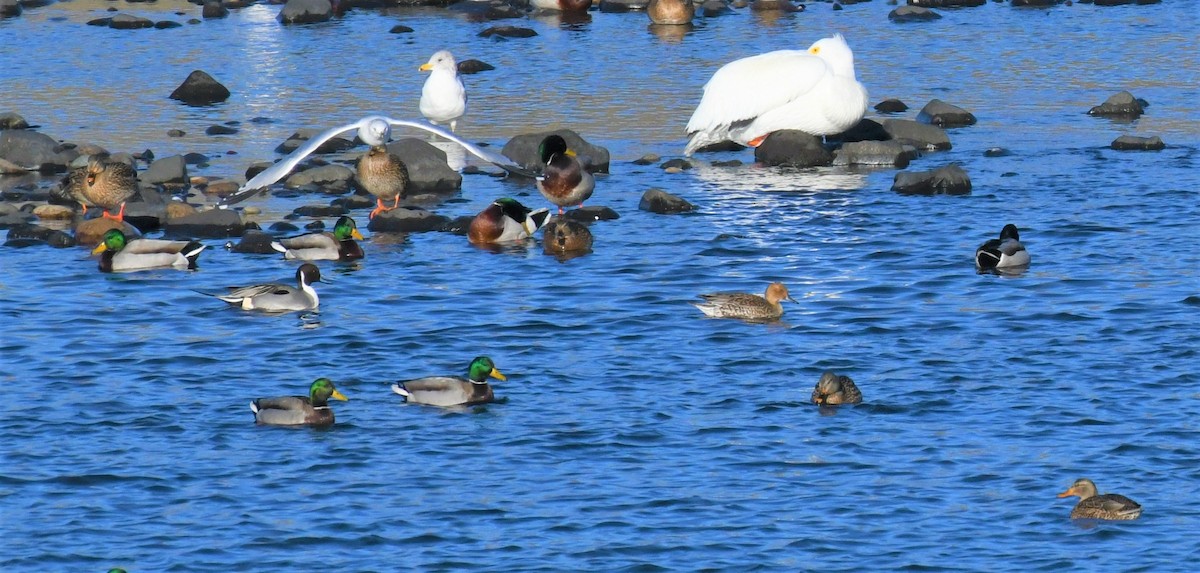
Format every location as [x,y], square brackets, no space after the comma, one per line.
[633,434]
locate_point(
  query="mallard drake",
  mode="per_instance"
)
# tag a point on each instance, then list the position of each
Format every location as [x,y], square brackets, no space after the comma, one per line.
[564,181]
[336,246]
[814,91]
[373,130]
[506,220]
[276,297]
[452,390]
[118,253]
[833,389]
[562,5]
[311,410]
[1003,253]
[1110,506]
[105,184]
[746,306]
[443,97]
[671,12]
[384,175]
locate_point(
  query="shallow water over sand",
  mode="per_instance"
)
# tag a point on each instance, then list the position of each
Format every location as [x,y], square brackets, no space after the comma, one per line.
[632,434]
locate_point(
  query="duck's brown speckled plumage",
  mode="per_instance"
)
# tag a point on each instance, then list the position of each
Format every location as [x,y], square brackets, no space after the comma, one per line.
[833,389]
[103,183]
[746,306]
[1092,505]
[671,12]
[384,175]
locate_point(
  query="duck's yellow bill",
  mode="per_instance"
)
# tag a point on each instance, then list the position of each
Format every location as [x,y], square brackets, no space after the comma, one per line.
[571,152]
[354,233]
[99,249]
[497,375]
[338,396]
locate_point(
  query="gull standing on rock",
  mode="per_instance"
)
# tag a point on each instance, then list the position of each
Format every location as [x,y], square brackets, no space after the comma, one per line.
[443,98]
[813,90]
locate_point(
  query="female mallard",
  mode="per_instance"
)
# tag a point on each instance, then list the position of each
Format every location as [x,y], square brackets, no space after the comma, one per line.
[443,97]
[452,390]
[833,389]
[1003,253]
[105,184]
[506,220]
[336,246]
[564,181]
[671,12]
[384,175]
[118,253]
[746,306]
[311,410]
[1108,506]
[276,297]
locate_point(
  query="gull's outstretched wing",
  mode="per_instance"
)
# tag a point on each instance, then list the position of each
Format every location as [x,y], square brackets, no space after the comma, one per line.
[284,166]
[494,158]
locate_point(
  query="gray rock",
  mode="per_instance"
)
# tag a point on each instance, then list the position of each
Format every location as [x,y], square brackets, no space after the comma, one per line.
[254,242]
[592,214]
[322,176]
[948,180]
[170,171]
[165,24]
[1035,3]
[875,154]
[319,211]
[295,140]
[714,8]
[947,3]
[478,10]
[210,224]
[473,67]
[407,220]
[306,11]
[865,130]
[793,148]
[128,22]
[428,171]
[147,210]
[919,135]
[523,149]
[10,120]
[942,114]
[619,6]
[905,14]
[10,218]
[354,202]
[214,9]
[220,130]
[1132,143]
[508,32]
[677,163]
[891,105]
[200,89]
[10,8]
[1120,105]
[25,235]
[775,6]
[35,151]
[661,202]
[400,29]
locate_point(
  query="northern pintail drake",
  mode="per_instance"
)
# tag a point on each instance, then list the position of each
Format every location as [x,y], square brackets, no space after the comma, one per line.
[746,306]
[833,389]
[311,410]
[453,390]
[563,181]
[813,90]
[105,184]
[506,220]
[1004,253]
[118,253]
[1091,505]
[275,297]
[443,97]
[336,246]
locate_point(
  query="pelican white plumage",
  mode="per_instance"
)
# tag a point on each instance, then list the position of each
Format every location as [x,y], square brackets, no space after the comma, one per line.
[373,130]
[443,97]
[813,90]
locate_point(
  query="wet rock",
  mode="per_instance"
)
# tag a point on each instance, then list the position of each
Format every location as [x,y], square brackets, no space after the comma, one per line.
[508,32]
[942,114]
[793,148]
[89,233]
[102,22]
[647,159]
[677,163]
[221,188]
[714,8]
[864,130]
[319,211]
[306,11]
[407,220]
[875,154]
[355,202]
[479,10]
[474,67]
[561,236]
[283,227]
[523,150]
[592,213]
[947,3]
[891,105]
[166,24]
[10,120]
[1120,105]
[323,176]
[905,14]
[128,22]
[11,216]
[1035,3]
[24,235]
[35,151]
[214,9]
[179,210]
[9,168]
[774,6]
[459,225]
[254,242]
[146,210]
[661,202]
[10,8]
[301,136]
[1123,2]
[919,135]
[53,212]
[210,224]
[166,171]
[200,89]
[176,133]
[220,130]
[1132,143]
[948,180]
[428,171]
[996,152]
[620,6]
[195,159]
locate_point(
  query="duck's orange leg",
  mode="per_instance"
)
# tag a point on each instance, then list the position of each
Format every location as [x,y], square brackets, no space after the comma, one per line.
[120,216]
[379,208]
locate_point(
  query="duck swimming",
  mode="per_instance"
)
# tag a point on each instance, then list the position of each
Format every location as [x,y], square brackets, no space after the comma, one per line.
[274,297]
[506,220]
[1004,253]
[746,306]
[1110,506]
[833,389]
[453,390]
[119,253]
[336,246]
[311,410]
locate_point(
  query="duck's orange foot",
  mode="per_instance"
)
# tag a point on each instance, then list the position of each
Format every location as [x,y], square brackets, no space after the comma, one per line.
[757,141]
[119,217]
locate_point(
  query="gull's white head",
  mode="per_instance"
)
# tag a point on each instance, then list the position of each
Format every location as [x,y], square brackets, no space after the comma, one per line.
[374,131]
[836,52]
[442,60]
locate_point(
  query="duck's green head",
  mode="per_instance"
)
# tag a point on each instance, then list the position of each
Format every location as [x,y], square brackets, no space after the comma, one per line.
[116,570]
[512,208]
[114,240]
[481,368]
[322,390]
[551,146]
[346,228]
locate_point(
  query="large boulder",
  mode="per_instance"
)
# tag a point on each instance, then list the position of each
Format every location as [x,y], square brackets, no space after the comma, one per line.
[659,201]
[128,22]
[942,114]
[523,149]
[948,180]
[10,120]
[332,175]
[210,224]
[905,14]
[793,148]
[306,11]
[170,171]
[1134,143]
[428,171]
[200,89]
[35,151]
[407,220]
[875,154]
[9,8]
[1121,105]
[919,135]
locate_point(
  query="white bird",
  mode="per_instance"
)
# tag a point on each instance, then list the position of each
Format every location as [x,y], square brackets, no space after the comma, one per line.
[443,97]
[813,91]
[374,130]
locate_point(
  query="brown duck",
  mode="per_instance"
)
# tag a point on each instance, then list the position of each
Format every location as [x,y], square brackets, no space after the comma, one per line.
[833,389]
[105,184]
[1111,506]
[564,181]
[383,175]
